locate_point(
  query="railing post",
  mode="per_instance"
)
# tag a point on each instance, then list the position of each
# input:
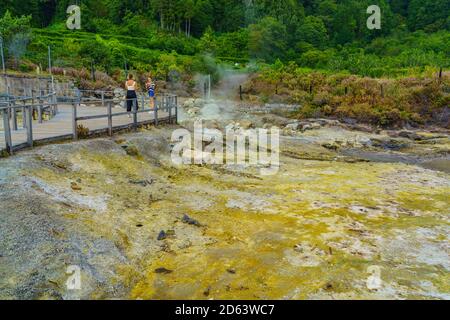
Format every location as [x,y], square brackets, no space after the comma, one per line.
[79,96]
[103,98]
[169,104]
[6,127]
[74,122]
[14,116]
[143,102]
[24,115]
[32,102]
[55,103]
[40,108]
[110,124]
[176,109]
[156,111]
[51,105]
[135,114]
[29,125]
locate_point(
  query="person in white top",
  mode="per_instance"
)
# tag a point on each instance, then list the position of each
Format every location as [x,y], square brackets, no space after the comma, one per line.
[131,87]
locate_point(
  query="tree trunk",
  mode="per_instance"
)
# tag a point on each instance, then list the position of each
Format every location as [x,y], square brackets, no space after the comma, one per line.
[189,28]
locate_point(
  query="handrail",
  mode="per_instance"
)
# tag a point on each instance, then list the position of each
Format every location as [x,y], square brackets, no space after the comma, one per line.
[48,104]
[8,109]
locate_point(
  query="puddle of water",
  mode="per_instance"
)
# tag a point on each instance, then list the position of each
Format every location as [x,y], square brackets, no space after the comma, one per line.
[440,164]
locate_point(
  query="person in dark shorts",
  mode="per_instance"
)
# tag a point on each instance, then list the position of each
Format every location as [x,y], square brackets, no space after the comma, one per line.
[150,85]
[131,87]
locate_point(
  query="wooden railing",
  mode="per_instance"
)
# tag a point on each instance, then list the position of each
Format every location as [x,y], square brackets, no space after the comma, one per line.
[44,103]
[167,103]
[28,107]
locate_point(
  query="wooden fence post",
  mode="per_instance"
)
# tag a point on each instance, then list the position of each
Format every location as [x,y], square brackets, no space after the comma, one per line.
[103,98]
[29,117]
[32,102]
[74,122]
[40,108]
[156,112]
[240,92]
[24,115]
[56,103]
[135,114]
[14,116]
[7,128]
[176,109]
[110,124]
[169,105]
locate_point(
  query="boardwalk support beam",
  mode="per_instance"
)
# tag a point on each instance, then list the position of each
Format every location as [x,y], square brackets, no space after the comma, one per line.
[74,122]
[110,123]
[7,129]
[29,117]
[156,112]
[135,119]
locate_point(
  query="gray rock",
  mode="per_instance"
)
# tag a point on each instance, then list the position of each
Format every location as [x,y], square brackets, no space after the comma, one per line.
[293,126]
[188,220]
[162,236]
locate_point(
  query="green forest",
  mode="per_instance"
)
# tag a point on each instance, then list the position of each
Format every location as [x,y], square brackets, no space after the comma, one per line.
[308,52]
[157,35]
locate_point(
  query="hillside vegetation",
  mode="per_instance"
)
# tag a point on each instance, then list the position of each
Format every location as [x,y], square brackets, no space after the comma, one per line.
[286,45]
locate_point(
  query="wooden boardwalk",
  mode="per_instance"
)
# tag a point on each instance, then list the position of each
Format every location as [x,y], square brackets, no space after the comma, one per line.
[98,118]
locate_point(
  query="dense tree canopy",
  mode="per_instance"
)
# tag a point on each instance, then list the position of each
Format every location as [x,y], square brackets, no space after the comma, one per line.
[344,16]
[314,33]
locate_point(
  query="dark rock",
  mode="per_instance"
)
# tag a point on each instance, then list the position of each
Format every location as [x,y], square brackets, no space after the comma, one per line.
[188,220]
[75,187]
[163,271]
[350,121]
[389,144]
[328,286]
[131,150]
[143,183]
[232,271]
[410,135]
[330,146]
[362,128]
[162,236]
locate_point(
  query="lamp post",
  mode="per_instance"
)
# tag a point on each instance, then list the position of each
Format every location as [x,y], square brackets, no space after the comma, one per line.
[49,59]
[3,55]
[50,68]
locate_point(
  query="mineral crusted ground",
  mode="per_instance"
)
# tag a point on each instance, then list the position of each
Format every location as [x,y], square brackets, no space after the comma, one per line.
[139,227]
